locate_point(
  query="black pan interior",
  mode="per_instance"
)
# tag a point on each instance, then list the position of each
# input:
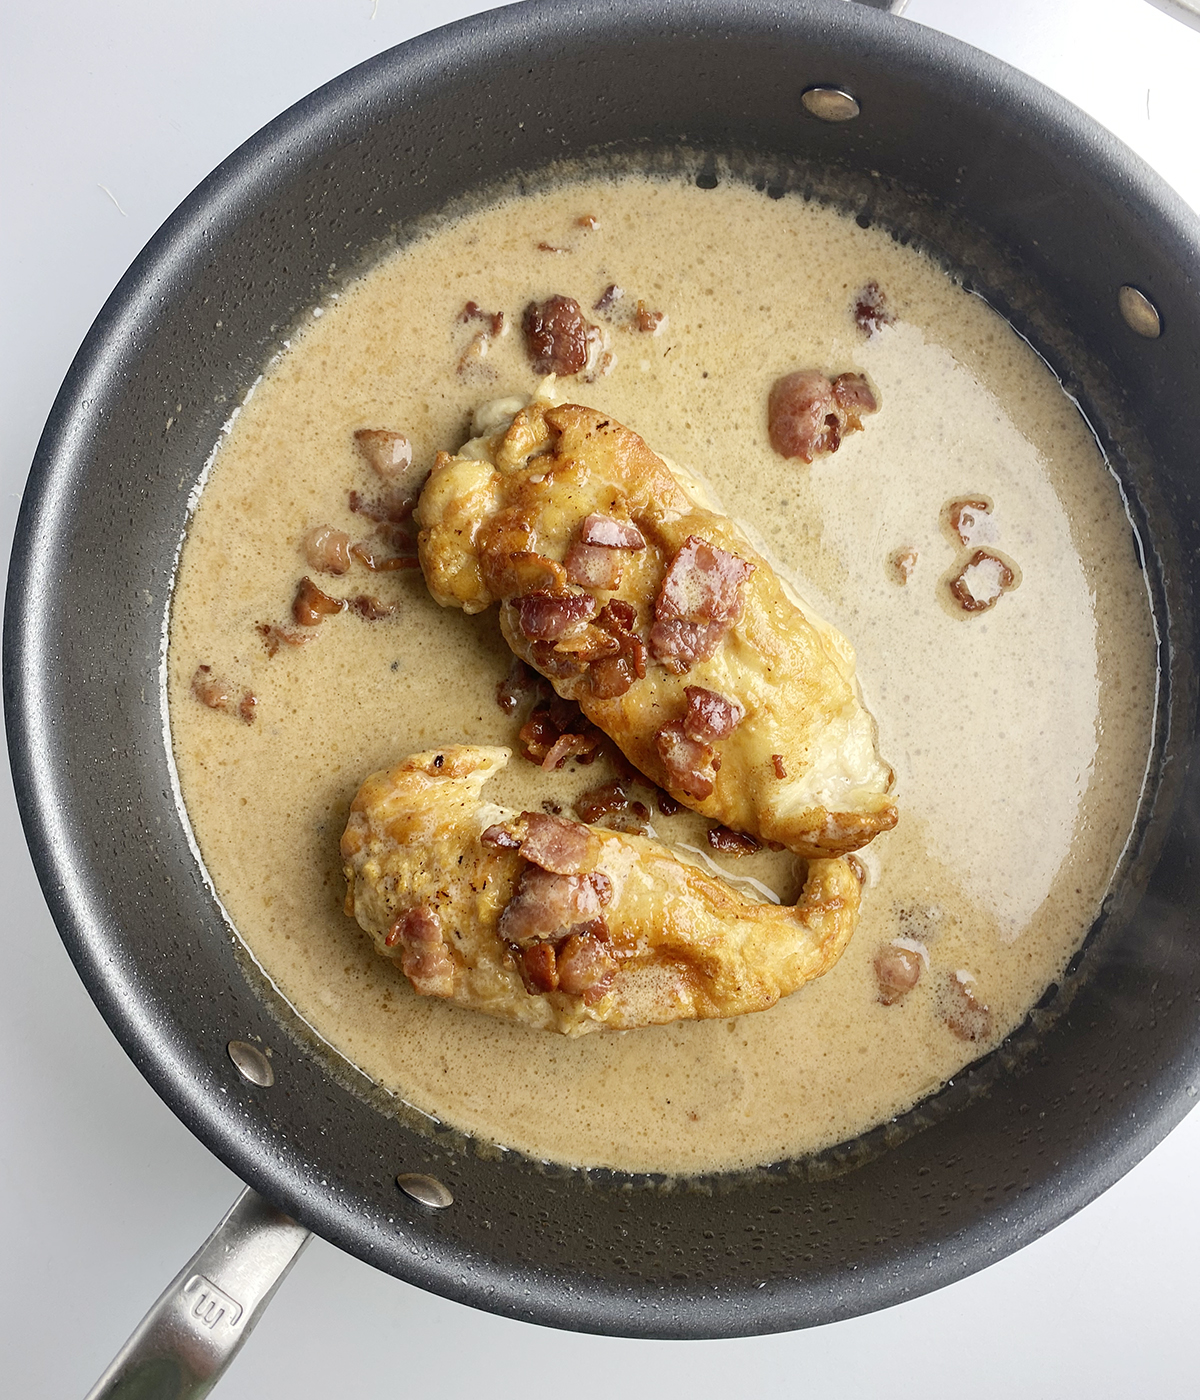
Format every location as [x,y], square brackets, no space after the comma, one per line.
[948,144]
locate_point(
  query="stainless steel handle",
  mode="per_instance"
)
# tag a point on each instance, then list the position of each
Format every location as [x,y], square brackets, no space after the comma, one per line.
[184,1343]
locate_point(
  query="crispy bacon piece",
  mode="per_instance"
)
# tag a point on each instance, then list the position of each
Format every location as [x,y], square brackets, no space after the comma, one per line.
[709,715]
[587,221]
[493,320]
[593,566]
[538,965]
[563,847]
[424,957]
[612,533]
[370,607]
[777,765]
[608,298]
[500,838]
[370,557]
[274,636]
[586,967]
[310,605]
[327,550]
[699,601]
[390,509]
[217,694]
[556,336]
[601,801]
[557,731]
[971,522]
[542,617]
[731,843]
[545,906]
[871,309]
[667,804]
[981,582]
[389,453]
[647,321]
[691,766]
[897,971]
[967,1017]
[902,562]
[808,414]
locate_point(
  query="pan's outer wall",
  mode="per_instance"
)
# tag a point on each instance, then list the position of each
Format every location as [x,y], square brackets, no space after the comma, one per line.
[189,328]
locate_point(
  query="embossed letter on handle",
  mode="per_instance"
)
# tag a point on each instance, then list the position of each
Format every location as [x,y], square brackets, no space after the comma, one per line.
[183,1344]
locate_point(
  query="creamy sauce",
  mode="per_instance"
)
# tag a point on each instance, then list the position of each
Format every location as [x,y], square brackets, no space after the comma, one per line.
[1019,735]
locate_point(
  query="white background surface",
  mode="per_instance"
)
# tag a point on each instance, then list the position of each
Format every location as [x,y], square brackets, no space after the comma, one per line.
[103,1195]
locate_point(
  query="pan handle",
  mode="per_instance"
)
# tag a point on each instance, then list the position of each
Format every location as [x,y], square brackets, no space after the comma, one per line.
[184,1343]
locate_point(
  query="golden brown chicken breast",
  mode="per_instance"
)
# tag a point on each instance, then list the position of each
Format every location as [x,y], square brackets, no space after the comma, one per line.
[565,926]
[675,637]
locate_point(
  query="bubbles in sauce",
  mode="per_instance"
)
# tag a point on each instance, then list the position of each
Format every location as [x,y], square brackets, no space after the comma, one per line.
[1019,732]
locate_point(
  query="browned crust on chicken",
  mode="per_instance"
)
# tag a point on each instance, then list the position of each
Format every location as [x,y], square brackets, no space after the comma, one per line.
[619,934]
[689,605]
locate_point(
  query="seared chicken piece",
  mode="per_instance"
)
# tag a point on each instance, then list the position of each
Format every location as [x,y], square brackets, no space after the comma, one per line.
[675,637]
[564,926]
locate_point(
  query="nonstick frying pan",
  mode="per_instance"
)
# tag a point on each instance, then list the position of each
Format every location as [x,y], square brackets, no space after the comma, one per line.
[89,757]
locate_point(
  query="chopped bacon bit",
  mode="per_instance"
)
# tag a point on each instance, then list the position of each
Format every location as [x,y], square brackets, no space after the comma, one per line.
[593,566]
[667,804]
[494,320]
[581,746]
[365,605]
[500,838]
[731,843]
[602,801]
[981,581]
[699,600]
[585,965]
[613,534]
[556,336]
[647,321]
[871,309]
[897,971]
[618,616]
[610,677]
[520,684]
[391,509]
[902,562]
[538,966]
[551,248]
[275,636]
[967,1016]
[808,415]
[608,298]
[549,725]
[327,550]
[366,555]
[971,521]
[691,767]
[777,764]
[310,605]
[210,689]
[709,715]
[545,618]
[217,694]
[424,958]
[389,453]
[563,847]
[587,221]
[545,905]
[511,574]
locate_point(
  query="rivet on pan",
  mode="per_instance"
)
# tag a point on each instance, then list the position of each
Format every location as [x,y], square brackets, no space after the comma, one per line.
[830,104]
[426,1189]
[1140,313]
[251,1063]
